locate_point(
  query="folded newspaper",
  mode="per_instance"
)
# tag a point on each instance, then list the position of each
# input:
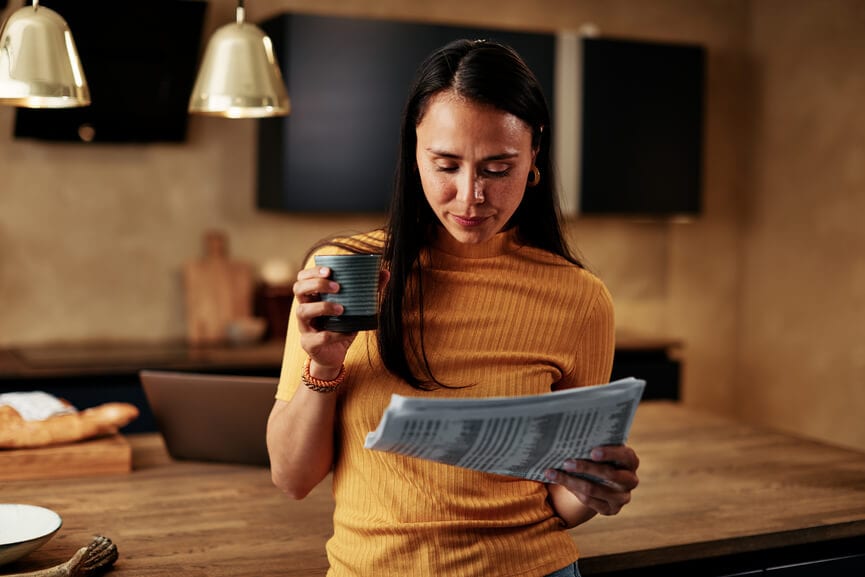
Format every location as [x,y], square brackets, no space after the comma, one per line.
[515,436]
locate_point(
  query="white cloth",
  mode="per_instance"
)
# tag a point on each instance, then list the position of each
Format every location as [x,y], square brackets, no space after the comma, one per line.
[36,405]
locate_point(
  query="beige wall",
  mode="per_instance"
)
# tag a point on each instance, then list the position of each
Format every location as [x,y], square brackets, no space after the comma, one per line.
[92,238]
[802,340]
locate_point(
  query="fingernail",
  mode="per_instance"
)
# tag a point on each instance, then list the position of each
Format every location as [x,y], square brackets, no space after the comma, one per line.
[569,466]
[332,286]
[551,474]
[597,454]
[323,271]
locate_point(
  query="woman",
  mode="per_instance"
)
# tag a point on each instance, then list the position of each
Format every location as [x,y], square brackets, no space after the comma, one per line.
[482,298]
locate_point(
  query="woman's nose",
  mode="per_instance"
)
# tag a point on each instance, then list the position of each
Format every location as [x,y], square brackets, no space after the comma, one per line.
[471,189]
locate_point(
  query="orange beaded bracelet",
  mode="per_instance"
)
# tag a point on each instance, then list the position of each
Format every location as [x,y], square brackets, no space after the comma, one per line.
[319,385]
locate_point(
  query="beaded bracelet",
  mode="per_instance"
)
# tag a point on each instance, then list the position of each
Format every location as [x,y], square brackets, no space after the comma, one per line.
[319,385]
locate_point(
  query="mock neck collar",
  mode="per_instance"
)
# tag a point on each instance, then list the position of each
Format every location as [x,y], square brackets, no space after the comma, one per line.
[502,243]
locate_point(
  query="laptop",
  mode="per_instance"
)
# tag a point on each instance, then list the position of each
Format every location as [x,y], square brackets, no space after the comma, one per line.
[208,417]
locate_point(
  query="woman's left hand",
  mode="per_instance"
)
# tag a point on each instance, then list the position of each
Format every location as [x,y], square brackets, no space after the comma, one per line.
[602,483]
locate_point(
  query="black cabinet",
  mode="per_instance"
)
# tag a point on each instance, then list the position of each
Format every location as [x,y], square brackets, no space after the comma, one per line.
[372,62]
[656,366]
[845,556]
[846,565]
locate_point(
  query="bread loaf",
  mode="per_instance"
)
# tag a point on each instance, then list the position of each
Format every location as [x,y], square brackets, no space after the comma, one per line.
[105,419]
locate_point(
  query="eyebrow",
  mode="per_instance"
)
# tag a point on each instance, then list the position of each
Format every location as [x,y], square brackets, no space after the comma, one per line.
[494,157]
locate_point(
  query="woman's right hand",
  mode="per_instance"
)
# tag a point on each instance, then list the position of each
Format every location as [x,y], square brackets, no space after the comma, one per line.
[327,349]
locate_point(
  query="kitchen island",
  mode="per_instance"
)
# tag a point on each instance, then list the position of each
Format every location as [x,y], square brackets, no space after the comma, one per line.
[716,498]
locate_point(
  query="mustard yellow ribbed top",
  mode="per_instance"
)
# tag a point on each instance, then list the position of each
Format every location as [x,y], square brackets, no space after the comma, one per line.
[500,319]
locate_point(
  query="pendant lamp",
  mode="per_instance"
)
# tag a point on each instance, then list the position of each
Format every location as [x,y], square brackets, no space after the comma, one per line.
[239,76]
[39,64]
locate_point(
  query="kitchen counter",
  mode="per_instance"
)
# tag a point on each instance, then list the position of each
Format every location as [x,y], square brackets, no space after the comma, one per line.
[716,496]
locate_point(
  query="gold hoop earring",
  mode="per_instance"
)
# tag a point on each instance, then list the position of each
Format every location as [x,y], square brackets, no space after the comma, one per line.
[535,177]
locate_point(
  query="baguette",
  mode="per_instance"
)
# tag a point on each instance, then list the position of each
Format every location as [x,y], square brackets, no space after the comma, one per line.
[105,419]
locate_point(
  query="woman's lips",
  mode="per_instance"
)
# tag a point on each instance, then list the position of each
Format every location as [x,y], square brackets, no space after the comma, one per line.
[469,221]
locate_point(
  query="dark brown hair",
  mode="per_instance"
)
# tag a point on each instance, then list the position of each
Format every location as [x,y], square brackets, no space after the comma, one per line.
[486,72]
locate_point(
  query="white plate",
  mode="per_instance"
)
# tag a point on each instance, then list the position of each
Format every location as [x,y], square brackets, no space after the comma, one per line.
[25,528]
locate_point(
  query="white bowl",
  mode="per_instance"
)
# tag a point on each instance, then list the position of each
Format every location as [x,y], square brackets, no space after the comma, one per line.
[25,528]
[245,331]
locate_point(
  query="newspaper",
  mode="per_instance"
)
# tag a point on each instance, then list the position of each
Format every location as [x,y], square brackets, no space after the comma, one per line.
[515,436]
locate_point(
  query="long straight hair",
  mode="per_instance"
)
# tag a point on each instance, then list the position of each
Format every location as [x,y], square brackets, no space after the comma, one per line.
[489,73]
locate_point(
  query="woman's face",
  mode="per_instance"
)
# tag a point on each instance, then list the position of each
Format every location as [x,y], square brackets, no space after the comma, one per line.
[474,161]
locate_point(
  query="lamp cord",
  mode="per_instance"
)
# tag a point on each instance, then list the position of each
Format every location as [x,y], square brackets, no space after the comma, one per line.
[241,12]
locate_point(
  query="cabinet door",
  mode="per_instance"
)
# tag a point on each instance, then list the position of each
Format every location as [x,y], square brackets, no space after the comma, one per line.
[850,565]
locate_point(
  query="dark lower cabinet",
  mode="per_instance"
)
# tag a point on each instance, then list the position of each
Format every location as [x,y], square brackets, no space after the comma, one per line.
[91,391]
[661,372]
[836,558]
[841,566]
[122,386]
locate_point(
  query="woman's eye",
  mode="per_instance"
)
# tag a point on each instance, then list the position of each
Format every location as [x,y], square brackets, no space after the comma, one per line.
[489,171]
[447,168]
[499,171]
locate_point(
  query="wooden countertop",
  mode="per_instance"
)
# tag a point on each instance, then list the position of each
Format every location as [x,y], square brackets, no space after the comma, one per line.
[709,486]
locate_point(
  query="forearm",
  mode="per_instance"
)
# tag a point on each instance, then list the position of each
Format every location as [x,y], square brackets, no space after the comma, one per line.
[300,441]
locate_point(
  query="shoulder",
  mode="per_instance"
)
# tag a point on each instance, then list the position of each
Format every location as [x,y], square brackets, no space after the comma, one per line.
[595,290]
[557,265]
[569,280]
[370,242]
[590,287]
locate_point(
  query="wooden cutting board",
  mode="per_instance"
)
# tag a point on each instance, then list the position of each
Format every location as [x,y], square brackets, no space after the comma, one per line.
[93,457]
[217,290]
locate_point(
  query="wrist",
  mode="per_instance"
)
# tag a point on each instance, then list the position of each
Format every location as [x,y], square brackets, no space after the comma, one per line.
[319,384]
[321,372]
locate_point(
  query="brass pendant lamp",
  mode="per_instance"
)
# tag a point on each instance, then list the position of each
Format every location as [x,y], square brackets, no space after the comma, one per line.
[239,75]
[39,64]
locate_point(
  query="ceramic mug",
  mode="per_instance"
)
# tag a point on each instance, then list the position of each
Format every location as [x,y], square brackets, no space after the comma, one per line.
[357,275]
